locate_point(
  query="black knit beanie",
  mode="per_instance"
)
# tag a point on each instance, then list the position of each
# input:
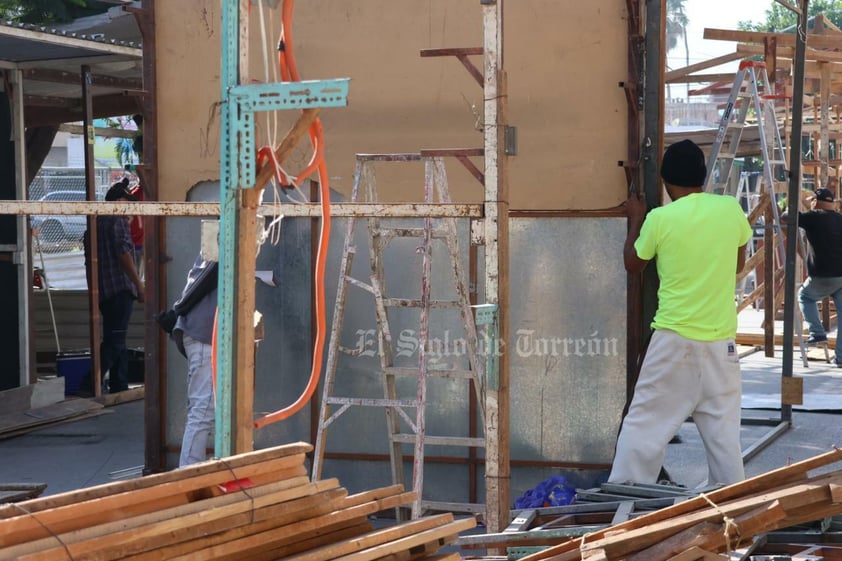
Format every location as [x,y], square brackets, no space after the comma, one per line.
[684,165]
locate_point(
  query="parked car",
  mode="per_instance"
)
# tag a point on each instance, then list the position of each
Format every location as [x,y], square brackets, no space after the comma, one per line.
[60,228]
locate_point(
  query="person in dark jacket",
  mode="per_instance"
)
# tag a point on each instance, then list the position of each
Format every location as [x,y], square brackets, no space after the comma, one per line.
[822,225]
[193,333]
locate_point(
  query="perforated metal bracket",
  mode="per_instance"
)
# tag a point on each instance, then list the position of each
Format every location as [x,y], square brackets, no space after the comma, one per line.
[246,100]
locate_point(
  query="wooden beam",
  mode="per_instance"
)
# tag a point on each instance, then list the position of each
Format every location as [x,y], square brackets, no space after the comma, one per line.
[497,418]
[105,132]
[784,39]
[687,70]
[63,77]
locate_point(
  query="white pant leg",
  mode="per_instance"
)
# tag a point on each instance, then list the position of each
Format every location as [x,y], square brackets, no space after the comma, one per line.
[717,415]
[665,394]
[200,402]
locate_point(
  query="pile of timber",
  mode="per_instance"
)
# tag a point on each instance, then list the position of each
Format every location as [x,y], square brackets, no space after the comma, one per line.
[257,506]
[720,521]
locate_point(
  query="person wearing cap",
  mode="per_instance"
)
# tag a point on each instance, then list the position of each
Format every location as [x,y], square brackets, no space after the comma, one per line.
[691,366]
[119,286]
[823,227]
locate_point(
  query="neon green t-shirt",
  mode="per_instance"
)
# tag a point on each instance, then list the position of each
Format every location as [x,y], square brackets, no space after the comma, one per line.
[696,239]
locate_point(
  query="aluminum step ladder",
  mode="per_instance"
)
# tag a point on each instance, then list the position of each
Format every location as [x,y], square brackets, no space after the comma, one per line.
[752,89]
[396,407]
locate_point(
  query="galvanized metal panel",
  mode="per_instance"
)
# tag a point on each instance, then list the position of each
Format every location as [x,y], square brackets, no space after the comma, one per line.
[568,323]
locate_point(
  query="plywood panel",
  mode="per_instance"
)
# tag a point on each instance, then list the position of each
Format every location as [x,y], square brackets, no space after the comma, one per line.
[564,61]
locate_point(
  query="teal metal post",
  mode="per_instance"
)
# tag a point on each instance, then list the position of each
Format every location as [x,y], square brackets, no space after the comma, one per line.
[229,197]
[238,171]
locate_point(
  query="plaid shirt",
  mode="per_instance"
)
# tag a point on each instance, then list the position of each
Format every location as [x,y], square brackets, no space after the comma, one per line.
[113,239]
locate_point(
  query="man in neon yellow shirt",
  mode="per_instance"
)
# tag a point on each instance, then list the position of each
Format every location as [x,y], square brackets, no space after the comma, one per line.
[691,365]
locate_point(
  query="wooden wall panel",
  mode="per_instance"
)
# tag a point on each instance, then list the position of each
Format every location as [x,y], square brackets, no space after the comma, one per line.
[564,61]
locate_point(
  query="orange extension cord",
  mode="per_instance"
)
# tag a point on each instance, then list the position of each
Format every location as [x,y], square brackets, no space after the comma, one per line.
[289,73]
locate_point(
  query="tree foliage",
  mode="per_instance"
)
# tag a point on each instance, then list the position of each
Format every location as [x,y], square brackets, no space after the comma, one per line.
[780,18]
[50,11]
[676,23]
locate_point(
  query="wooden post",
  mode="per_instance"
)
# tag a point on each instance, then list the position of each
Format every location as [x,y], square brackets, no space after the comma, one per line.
[497,430]
[93,259]
[26,351]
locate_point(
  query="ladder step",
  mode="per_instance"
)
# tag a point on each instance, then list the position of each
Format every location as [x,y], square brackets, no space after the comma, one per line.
[471,442]
[437,233]
[416,303]
[359,284]
[438,373]
[372,402]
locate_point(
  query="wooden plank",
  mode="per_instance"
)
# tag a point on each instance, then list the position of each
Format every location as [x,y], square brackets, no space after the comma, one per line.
[687,70]
[111,399]
[14,492]
[373,495]
[313,540]
[74,419]
[262,520]
[25,527]
[118,539]
[783,39]
[371,539]
[710,536]
[409,542]
[423,551]
[230,466]
[790,497]
[778,477]
[256,542]
[45,415]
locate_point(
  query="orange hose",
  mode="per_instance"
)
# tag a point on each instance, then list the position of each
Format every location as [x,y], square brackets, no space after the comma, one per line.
[289,72]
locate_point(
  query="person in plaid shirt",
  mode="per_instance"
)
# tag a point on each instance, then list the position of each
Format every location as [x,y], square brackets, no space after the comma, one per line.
[119,286]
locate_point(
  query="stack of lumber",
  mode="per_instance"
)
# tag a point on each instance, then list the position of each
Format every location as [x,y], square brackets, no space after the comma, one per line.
[257,506]
[720,521]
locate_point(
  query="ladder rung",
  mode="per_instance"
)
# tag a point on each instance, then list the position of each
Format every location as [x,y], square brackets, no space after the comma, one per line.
[372,402]
[471,442]
[438,373]
[359,284]
[437,233]
[416,303]
[777,162]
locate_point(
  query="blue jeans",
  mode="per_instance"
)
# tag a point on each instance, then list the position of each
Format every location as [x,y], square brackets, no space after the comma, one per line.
[200,403]
[813,290]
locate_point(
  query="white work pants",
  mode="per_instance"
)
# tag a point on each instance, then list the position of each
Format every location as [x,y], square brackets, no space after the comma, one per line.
[681,377]
[200,402]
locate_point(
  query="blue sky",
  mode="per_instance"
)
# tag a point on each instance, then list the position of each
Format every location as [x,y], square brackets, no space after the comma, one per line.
[722,14]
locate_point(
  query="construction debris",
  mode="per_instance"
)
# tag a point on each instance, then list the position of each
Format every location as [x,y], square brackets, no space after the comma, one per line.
[257,506]
[722,520]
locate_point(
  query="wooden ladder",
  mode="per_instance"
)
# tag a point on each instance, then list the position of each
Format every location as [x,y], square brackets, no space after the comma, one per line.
[396,407]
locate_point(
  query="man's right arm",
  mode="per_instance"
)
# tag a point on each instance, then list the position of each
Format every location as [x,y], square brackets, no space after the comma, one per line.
[636,211]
